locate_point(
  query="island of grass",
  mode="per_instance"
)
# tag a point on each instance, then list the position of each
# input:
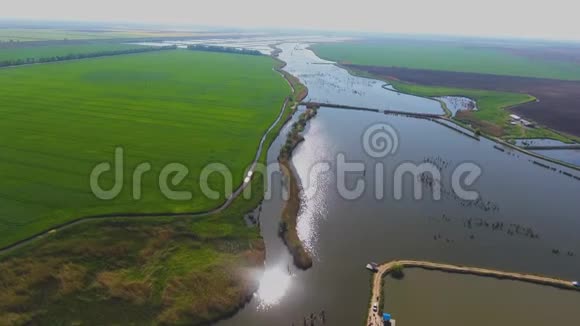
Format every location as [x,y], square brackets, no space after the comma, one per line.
[153,270]
[62,119]
[434,69]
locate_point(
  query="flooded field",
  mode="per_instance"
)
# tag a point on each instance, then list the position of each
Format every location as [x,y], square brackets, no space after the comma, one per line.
[438,298]
[516,224]
[455,103]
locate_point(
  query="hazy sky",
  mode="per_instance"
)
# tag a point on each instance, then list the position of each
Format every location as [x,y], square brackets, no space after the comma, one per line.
[528,18]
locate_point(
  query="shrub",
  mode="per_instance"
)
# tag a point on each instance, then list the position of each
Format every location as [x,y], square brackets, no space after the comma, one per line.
[398,271]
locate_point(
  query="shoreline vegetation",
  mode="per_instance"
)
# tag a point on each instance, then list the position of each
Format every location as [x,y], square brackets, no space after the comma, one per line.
[187,270]
[287,227]
[396,269]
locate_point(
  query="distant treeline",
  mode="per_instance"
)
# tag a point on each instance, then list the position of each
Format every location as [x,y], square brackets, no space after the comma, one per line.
[17,62]
[215,48]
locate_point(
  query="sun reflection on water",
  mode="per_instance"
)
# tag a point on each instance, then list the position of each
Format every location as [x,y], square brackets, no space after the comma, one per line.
[273,286]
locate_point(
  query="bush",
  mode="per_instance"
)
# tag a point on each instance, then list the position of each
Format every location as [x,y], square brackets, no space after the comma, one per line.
[398,271]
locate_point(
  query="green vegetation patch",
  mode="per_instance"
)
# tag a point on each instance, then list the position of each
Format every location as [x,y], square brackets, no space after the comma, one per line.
[60,120]
[146,272]
[446,56]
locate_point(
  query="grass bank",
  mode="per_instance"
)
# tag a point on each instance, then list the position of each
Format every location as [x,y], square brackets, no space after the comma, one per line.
[287,228]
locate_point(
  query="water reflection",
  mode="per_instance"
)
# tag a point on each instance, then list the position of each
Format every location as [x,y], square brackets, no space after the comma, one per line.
[315,185]
[328,83]
[521,225]
[273,286]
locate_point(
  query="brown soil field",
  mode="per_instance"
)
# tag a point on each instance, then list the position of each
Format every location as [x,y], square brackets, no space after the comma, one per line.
[558,105]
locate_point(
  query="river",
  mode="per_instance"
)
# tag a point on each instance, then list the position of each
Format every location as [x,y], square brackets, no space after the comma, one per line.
[526,217]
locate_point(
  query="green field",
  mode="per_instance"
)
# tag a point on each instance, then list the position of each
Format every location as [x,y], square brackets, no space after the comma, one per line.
[61,119]
[448,57]
[47,51]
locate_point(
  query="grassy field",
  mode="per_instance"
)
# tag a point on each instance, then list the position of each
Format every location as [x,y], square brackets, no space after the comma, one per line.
[47,51]
[492,116]
[145,271]
[61,119]
[446,56]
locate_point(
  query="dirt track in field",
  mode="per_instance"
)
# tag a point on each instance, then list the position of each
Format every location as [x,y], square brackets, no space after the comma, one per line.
[559,100]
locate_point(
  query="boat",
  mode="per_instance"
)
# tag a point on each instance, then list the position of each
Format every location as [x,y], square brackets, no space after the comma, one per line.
[373,267]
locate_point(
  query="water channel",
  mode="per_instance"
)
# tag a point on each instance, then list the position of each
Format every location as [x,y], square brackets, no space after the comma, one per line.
[525,218]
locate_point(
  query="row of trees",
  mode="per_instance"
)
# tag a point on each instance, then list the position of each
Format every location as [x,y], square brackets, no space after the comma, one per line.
[215,48]
[72,56]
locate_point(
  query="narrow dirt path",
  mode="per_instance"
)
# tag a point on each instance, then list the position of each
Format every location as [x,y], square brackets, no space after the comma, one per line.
[375,318]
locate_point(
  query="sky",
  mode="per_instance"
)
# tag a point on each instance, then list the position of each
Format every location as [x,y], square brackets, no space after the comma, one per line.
[554,19]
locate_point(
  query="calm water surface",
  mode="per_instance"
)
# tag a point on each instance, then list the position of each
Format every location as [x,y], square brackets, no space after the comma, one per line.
[459,300]
[524,213]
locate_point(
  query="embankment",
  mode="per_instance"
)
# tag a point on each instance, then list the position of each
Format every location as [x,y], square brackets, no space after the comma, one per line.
[287,229]
[386,268]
